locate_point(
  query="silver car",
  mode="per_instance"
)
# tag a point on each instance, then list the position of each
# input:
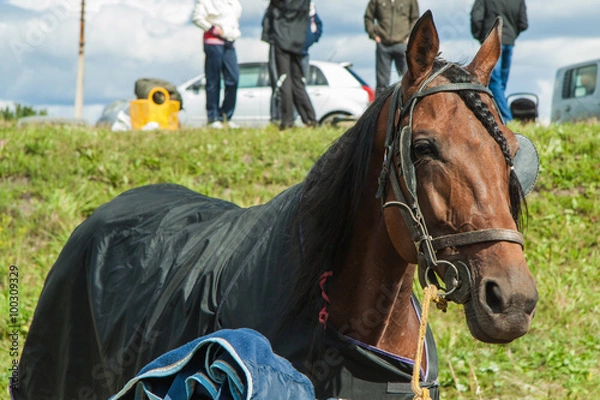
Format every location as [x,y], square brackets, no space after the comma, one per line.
[337,93]
[576,94]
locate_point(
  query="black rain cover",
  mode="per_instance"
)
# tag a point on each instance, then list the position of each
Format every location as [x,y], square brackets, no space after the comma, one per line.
[147,272]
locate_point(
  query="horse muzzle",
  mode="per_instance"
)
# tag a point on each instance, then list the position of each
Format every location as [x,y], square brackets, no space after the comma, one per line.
[501,309]
[498,309]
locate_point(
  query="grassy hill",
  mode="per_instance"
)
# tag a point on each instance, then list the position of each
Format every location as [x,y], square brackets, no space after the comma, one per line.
[52,178]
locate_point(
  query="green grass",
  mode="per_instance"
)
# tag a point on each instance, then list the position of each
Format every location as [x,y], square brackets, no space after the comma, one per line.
[52,178]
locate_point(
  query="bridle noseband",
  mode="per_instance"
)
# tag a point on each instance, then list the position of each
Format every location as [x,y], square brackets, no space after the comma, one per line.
[398,142]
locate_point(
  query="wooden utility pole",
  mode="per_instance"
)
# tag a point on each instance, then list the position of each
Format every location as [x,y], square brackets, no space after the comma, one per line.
[80,66]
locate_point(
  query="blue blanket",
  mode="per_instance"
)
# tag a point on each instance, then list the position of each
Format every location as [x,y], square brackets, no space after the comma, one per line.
[228,364]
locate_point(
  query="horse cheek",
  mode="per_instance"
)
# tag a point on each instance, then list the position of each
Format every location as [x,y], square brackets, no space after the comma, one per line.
[399,235]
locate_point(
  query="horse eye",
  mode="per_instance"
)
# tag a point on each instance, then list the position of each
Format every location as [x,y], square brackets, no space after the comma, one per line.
[424,148]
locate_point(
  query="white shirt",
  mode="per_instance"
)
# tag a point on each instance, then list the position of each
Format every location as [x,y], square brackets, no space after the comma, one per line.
[225,13]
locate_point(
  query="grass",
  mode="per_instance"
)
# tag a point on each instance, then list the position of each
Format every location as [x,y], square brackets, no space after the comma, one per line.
[52,178]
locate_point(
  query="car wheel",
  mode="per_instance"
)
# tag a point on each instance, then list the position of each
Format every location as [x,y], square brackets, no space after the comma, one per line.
[336,119]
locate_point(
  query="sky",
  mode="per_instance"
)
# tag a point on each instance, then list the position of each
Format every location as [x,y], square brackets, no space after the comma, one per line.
[131,39]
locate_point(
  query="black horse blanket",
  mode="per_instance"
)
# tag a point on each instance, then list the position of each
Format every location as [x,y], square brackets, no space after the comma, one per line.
[155,269]
[149,271]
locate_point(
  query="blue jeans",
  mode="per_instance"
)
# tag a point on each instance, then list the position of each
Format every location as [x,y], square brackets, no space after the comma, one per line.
[220,59]
[499,79]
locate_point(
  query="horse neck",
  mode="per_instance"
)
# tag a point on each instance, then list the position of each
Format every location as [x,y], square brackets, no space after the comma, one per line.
[372,287]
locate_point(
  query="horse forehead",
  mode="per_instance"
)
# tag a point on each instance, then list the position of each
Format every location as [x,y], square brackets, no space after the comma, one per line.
[446,116]
[438,107]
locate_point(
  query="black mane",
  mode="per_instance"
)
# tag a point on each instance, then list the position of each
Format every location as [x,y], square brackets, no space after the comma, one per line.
[328,208]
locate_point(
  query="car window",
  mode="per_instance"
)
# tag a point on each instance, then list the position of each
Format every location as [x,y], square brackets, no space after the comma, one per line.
[115,106]
[196,86]
[249,76]
[315,77]
[580,82]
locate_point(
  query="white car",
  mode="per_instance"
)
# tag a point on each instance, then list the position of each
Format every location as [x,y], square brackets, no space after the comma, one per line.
[336,92]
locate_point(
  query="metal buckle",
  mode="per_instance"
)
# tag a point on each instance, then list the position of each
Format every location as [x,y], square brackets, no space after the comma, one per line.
[457,278]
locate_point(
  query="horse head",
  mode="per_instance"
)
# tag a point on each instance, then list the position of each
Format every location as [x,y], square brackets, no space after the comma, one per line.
[457,189]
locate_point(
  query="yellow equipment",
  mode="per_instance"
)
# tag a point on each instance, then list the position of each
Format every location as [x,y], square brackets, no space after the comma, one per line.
[157,108]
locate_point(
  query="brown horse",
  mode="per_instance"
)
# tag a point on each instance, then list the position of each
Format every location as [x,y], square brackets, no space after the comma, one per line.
[428,179]
[461,207]
[463,172]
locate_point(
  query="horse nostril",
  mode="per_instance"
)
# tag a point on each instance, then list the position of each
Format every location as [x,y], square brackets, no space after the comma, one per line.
[493,297]
[530,305]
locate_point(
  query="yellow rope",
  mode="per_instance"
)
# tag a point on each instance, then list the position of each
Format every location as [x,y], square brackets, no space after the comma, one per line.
[430,294]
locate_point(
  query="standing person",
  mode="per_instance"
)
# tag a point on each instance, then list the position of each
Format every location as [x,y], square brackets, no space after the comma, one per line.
[388,23]
[313,34]
[514,18]
[219,19]
[284,27]
[275,106]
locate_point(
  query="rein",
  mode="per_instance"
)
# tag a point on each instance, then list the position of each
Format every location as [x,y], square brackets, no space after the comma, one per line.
[398,143]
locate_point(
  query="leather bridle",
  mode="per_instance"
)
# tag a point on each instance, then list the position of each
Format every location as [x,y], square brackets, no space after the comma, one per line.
[398,143]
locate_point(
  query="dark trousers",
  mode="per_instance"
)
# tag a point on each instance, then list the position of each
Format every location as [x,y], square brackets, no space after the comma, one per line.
[220,59]
[384,55]
[293,89]
[275,88]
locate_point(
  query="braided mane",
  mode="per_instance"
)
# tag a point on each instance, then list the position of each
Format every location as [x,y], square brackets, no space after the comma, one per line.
[457,74]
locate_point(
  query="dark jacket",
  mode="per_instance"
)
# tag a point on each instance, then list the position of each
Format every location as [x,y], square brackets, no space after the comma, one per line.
[285,24]
[514,18]
[391,21]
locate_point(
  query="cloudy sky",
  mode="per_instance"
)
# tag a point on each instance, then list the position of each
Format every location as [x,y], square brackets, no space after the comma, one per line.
[129,39]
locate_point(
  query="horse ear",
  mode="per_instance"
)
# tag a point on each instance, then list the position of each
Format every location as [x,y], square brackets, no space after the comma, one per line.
[486,58]
[423,47]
